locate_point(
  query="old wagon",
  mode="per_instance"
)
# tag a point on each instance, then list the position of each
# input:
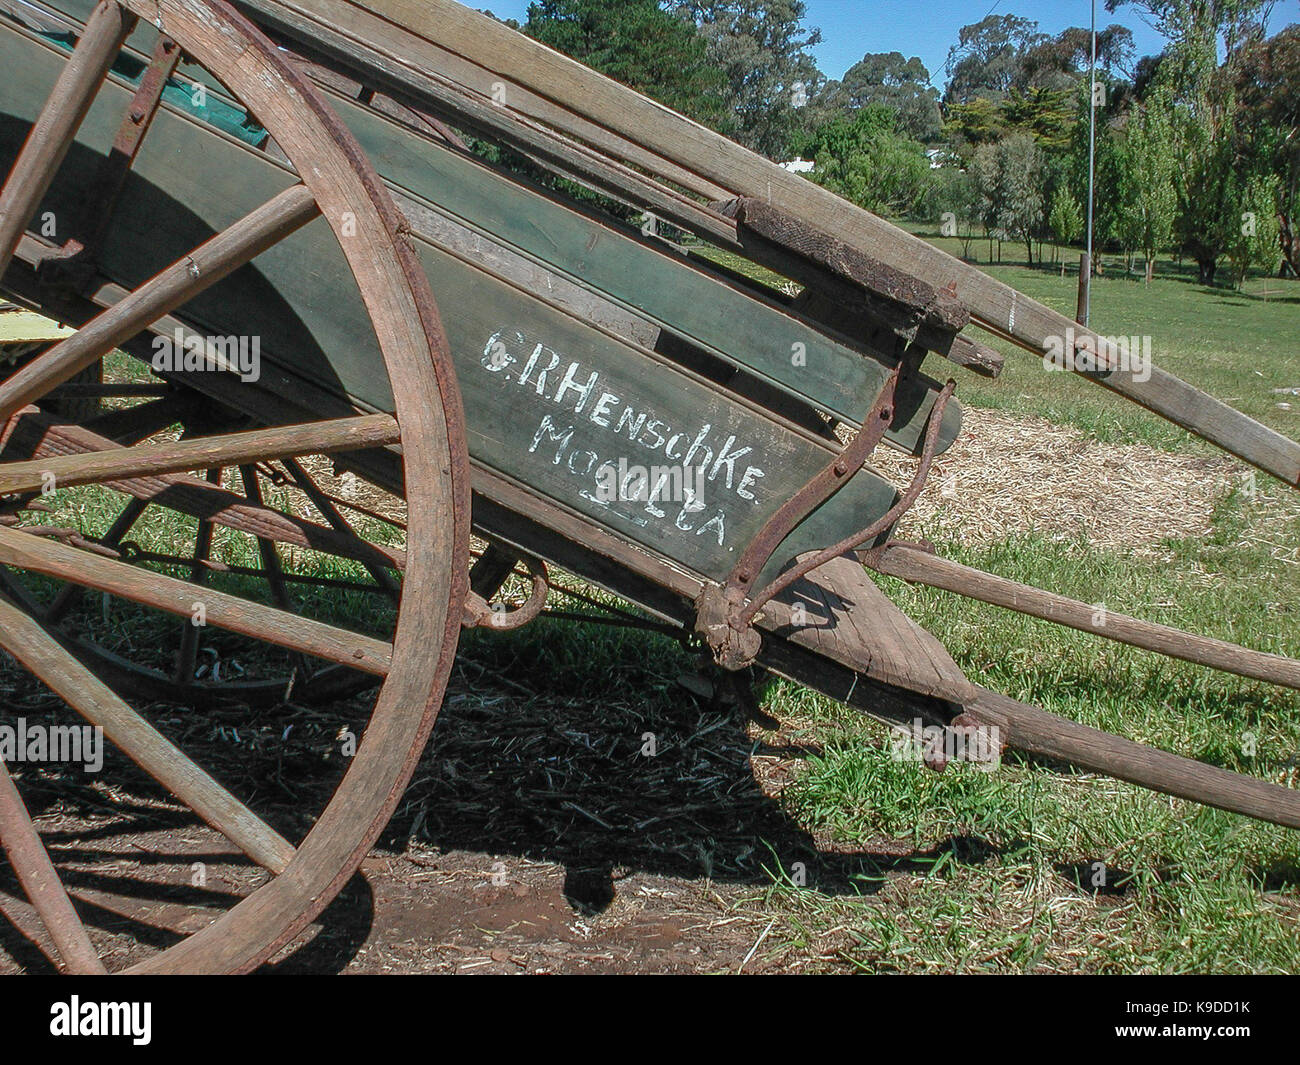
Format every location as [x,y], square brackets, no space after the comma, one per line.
[271,208]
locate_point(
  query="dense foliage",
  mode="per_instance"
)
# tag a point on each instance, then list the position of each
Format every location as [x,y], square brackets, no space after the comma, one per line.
[1197,148]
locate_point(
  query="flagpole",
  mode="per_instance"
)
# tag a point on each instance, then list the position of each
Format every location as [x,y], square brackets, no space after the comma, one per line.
[1085,281]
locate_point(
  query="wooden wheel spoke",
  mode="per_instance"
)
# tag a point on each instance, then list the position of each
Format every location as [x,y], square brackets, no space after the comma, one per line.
[36,649]
[266,548]
[40,880]
[269,624]
[340,524]
[188,653]
[56,127]
[71,594]
[161,294]
[233,449]
[40,436]
[270,557]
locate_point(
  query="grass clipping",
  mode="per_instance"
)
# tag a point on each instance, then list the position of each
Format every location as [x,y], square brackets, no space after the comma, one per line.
[1011,474]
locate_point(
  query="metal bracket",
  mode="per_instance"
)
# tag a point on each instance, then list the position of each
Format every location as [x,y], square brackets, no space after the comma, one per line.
[479,614]
[725,613]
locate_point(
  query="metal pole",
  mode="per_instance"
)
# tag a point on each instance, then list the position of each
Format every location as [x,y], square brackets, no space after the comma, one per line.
[1085,267]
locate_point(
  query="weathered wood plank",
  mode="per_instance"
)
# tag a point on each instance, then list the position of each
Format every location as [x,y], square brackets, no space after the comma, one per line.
[40,880]
[41,437]
[922,567]
[902,299]
[659,130]
[207,264]
[780,347]
[478,306]
[60,117]
[278,627]
[231,449]
[838,612]
[137,739]
[396,71]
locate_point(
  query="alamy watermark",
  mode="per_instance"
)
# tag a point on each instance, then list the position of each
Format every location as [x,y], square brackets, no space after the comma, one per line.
[1079,352]
[180,353]
[634,483]
[937,745]
[37,743]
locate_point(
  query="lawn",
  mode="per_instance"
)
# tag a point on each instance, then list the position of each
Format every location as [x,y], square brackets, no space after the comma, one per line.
[1238,346]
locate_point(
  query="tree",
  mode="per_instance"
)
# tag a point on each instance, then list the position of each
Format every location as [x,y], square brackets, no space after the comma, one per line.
[1148,200]
[1058,62]
[1255,240]
[639,44]
[762,52]
[1007,77]
[903,85]
[954,199]
[1009,175]
[1065,219]
[1218,156]
[864,158]
[1267,82]
[988,59]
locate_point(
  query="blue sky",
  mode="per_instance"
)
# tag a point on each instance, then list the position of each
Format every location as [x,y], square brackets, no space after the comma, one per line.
[927,28]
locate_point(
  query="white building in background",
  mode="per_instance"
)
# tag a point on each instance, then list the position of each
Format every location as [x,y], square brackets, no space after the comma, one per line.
[799,166]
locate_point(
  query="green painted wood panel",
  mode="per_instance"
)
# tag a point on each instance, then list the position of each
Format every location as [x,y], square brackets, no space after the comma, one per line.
[551,401]
[745,331]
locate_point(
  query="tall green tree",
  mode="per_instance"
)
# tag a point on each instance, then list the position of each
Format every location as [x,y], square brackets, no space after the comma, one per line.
[901,84]
[988,59]
[1219,161]
[1065,217]
[1267,81]
[639,44]
[762,50]
[864,158]
[1009,175]
[1148,199]
[1254,241]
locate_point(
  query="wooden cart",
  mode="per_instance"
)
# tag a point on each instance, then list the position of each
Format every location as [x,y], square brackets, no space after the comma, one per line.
[260,203]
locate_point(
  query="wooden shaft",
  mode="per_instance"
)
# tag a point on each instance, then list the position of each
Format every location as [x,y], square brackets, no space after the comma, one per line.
[55,129]
[71,594]
[1035,731]
[278,627]
[163,293]
[231,449]
[340,525]
[187,655]
[31,645]
[40,880]
[921,567]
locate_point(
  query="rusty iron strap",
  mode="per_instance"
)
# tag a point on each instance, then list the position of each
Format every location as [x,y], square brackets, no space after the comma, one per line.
[823,485]
[478,614]
[745,616]
[97,210]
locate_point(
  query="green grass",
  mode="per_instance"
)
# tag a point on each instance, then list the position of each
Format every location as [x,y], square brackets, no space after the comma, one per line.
[997,867]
